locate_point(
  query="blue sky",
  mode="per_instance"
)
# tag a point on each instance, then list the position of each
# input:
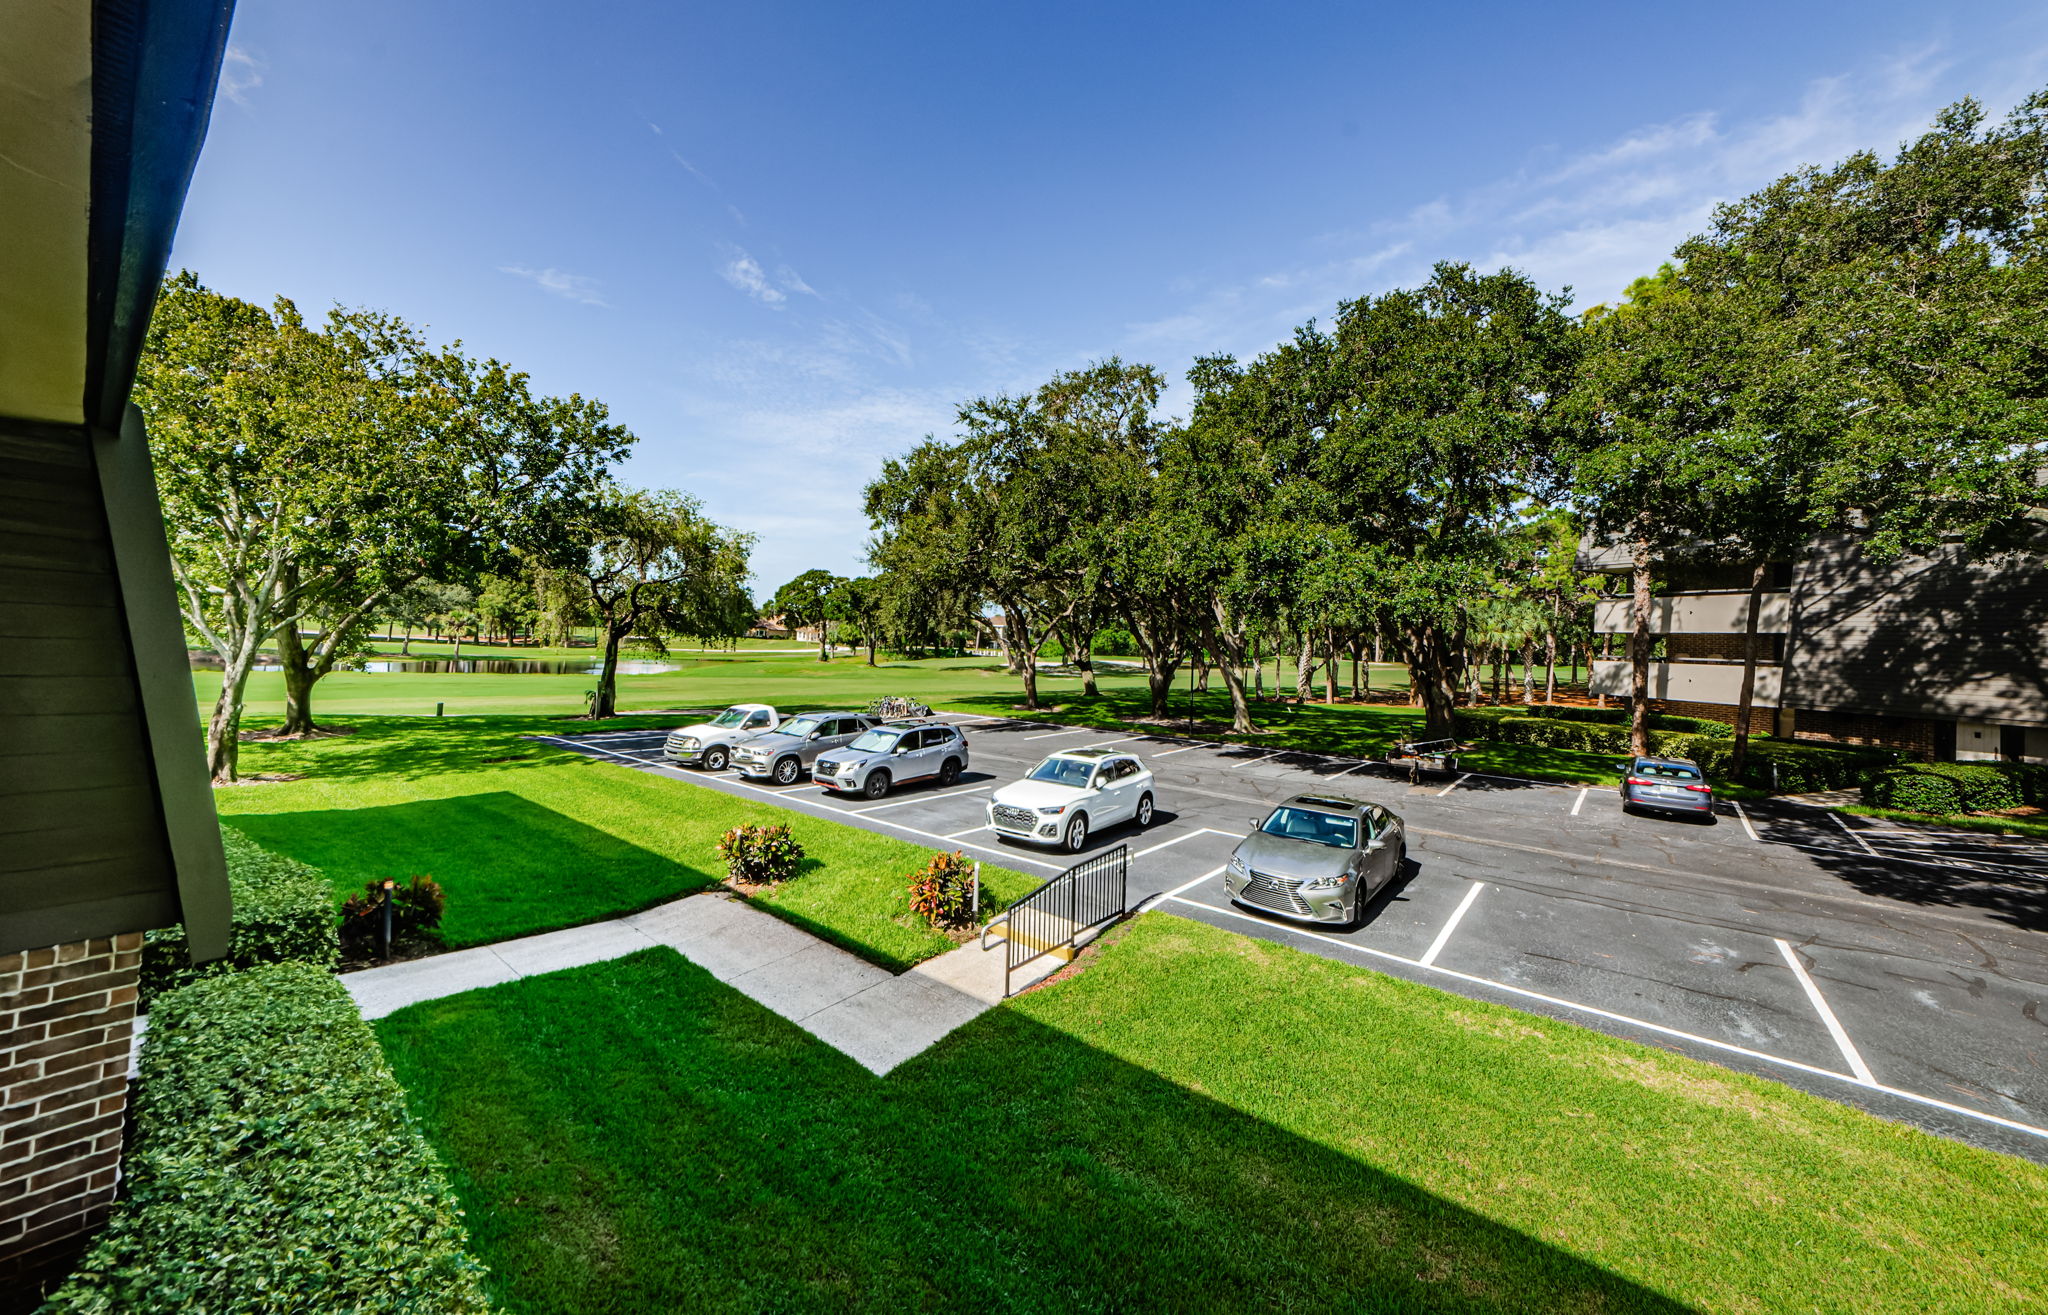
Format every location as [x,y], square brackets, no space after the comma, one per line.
[784,242]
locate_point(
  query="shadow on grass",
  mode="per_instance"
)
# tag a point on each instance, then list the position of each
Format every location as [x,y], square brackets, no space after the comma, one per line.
[510,867]
[636,1136]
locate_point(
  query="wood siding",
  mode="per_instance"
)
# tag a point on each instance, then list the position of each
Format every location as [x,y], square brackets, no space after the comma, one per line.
[83,849]
[1937,637]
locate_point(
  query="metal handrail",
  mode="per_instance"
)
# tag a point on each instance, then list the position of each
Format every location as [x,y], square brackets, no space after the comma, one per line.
[1087,895]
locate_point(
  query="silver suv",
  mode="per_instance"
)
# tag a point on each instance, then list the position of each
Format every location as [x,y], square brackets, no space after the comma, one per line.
[891,754]
[788,752]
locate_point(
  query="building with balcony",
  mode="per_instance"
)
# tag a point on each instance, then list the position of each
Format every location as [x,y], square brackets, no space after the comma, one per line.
[1943,656]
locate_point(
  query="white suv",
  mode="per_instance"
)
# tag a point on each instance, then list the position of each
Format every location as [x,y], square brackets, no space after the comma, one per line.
[1065,796]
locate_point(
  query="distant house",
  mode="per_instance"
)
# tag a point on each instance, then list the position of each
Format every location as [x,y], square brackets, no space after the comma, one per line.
[776,627]
[1941,656]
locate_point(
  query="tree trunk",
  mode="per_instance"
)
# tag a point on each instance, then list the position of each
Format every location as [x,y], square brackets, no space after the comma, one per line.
[871,650]
[1550,656]
[1747,700]
[1528,674]
[606,701]
[824,632]
[298,682]
[1639,652]
[224,726]
[1330,670]
[405,649]
[455,633]
[1085,663]
[1305,668]
[1438,683]
[1230,647]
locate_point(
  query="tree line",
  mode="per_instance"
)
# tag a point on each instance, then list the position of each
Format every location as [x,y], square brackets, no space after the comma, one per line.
[319,477]
[1857,349]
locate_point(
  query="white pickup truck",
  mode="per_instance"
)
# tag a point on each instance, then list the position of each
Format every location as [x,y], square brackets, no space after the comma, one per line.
[709,744]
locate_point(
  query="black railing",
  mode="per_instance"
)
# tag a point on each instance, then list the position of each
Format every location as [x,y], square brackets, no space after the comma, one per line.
[1048,920]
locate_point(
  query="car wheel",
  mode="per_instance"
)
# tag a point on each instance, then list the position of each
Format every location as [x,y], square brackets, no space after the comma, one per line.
[1077,833]
[786,770]
[877,784]
[715,760]
[950,773]
[1144,811]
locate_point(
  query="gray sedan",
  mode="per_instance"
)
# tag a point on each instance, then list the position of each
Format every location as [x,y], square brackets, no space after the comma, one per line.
[1318,858]
[789,750]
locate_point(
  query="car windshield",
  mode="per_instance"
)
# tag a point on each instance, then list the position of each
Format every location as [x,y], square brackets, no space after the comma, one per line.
[1316,828]
[730,717]
[875,741]
[1063,771]
[799,727]
[1669,771]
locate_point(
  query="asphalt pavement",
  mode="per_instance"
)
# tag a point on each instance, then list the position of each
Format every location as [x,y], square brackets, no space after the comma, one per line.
[1897,969]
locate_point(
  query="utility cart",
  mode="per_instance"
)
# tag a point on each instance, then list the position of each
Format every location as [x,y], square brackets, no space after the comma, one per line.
[1419,756]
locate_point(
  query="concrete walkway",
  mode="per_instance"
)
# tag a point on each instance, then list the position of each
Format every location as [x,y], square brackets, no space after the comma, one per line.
[877,1017]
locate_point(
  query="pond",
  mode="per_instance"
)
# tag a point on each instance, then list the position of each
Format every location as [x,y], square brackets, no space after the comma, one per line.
[480,666]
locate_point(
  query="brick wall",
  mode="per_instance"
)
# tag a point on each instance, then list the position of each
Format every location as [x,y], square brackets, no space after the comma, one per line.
[66,1019]
[1722,648]
[1915,735]
[1761,720]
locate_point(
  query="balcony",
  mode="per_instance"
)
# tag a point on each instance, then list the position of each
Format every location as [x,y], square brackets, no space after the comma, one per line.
[1690,682]
[1697,614]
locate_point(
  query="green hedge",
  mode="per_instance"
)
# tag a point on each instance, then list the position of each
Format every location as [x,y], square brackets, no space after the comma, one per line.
[273,1167]
[1947,788]
[1584,736]
[283,910]
[1795,767]
[1786,766]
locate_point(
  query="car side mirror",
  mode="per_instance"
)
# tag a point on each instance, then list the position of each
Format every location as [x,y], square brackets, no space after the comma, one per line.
[1377,842]
[1257,822]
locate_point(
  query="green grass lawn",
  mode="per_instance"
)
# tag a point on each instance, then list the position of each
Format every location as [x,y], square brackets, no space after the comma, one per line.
[1991,823]
[527,837]
[1199,1121]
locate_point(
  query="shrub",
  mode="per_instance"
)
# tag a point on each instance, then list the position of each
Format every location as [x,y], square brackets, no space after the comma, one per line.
[283,910]
[942,893]
[1958,787]
[757,855]
[272,1167]
[1796,767]
[416,908]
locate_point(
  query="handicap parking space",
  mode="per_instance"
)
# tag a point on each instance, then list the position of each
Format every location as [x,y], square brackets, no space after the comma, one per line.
[1759,940]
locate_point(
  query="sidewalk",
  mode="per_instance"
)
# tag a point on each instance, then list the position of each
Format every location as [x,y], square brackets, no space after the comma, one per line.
[877,1017]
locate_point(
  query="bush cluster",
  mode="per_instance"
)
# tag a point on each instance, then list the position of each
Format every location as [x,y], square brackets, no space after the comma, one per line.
[1792,767]
[1786,766]
[273,1167]
[1947,788]
[416,909]
[942,892]
[757,855]
[283,910]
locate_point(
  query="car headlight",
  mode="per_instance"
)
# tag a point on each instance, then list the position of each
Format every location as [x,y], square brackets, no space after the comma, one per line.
[1335,882]
[1237,866]
[687,742]
[1053,811]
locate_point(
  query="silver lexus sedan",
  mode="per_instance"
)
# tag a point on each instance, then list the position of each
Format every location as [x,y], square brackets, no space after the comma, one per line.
[1318,858]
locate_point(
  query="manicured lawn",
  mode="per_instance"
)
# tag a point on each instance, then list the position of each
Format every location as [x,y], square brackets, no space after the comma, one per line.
[526,837]
[2035,826]
[1199,1121]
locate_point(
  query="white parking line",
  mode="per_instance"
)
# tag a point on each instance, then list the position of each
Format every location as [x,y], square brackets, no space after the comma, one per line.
[1071,730]
[970,831]
[1745,821]
[1454,785]
[1729,1047]
[919,799]
[1211,874]
[1203,831]
[1852,834]
[1170,752]
[1008,856]
[1579,802]
[1443,937]
[1827,1015]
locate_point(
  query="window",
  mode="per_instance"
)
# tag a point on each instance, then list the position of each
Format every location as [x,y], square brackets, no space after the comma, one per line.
[876,741]
[1316,828]
[799,726]
[1062,771]
[934,737]
[1123,769]
[1666,771]
[758,719]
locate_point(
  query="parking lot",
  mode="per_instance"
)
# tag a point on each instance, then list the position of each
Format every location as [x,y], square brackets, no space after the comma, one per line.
[1896,969]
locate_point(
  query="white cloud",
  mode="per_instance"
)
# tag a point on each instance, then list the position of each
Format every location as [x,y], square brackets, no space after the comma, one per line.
[572,287]
[240,74]
[745,273]
[793,281]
